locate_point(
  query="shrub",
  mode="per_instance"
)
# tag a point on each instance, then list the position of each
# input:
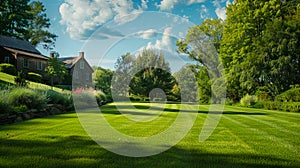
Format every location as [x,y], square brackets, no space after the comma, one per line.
[101,98]
[8,68]
[21,108]
[291,106]
[65,87]
[229,102]
[30,98]
[20,79]
[248,100]
[34,77]
[4,105]
[85,99]
[54,97]
[258,105]
[272,105]
[291,95]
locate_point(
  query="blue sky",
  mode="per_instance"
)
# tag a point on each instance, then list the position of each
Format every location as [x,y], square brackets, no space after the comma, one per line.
[105,29]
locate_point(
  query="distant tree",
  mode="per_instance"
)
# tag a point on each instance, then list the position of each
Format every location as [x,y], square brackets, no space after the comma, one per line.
[151,72]
[26,20]
[55,69]
[202,44]
[122,76]
[187,83]
[103,79]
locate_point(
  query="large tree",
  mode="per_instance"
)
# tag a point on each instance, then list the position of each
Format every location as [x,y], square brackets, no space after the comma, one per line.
[202,44]
[39,24]
[187,84]
[151,71]
[26,20]
[122,76]
[259,47]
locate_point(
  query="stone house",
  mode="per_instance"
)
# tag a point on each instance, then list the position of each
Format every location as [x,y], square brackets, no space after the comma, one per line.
[22,55]
[27,58]
[79,69]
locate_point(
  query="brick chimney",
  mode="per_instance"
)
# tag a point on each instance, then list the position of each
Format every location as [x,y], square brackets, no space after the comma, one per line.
[81,54]
[52,55]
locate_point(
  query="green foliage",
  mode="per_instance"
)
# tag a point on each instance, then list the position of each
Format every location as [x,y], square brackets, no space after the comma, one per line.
[20,80]
[187,84]
[8,68]
[26,20]
[30,98]
[202,44]
[101,98]
[122,75]
[4,104]
[248,100]
[229,102]
[54,97]
[64,87]
[259,47]
[283,106]
[20,108]
[176,92]
[34,77]
[103,79]
[55,68]
[151,71]
[291,106]
[38,27]
[85,99]
[291,95]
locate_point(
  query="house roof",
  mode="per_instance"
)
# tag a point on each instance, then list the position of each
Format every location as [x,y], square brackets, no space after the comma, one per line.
[18,44]
[26,53]
[71,61]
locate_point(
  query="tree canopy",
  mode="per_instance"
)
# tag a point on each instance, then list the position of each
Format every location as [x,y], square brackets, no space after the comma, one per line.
[55,68]
[260,46]
[26,20]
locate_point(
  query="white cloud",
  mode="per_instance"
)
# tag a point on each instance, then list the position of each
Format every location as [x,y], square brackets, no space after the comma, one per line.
[164,44]
[144,4]
[221,13]
[167,5]
[147,34]
[195,1]
[82,17]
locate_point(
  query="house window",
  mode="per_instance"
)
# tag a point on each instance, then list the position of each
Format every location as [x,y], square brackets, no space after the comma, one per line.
[26,63]
[39,65]
[81,65]
[76,74]
[87,76]
[6,59]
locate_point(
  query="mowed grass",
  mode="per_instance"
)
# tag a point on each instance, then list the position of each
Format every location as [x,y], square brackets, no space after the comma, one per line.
[7,79]
[244,138]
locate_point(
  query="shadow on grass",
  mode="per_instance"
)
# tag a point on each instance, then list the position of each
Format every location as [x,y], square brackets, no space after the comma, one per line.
[80,151]
[112,109]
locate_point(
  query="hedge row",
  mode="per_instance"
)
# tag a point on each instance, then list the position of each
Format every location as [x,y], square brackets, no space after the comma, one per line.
[282,106]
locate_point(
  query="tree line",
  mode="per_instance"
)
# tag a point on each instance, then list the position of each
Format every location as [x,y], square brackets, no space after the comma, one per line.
[257,46]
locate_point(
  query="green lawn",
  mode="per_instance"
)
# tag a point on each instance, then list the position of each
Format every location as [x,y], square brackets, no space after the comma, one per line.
[10,80]
[243,138]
